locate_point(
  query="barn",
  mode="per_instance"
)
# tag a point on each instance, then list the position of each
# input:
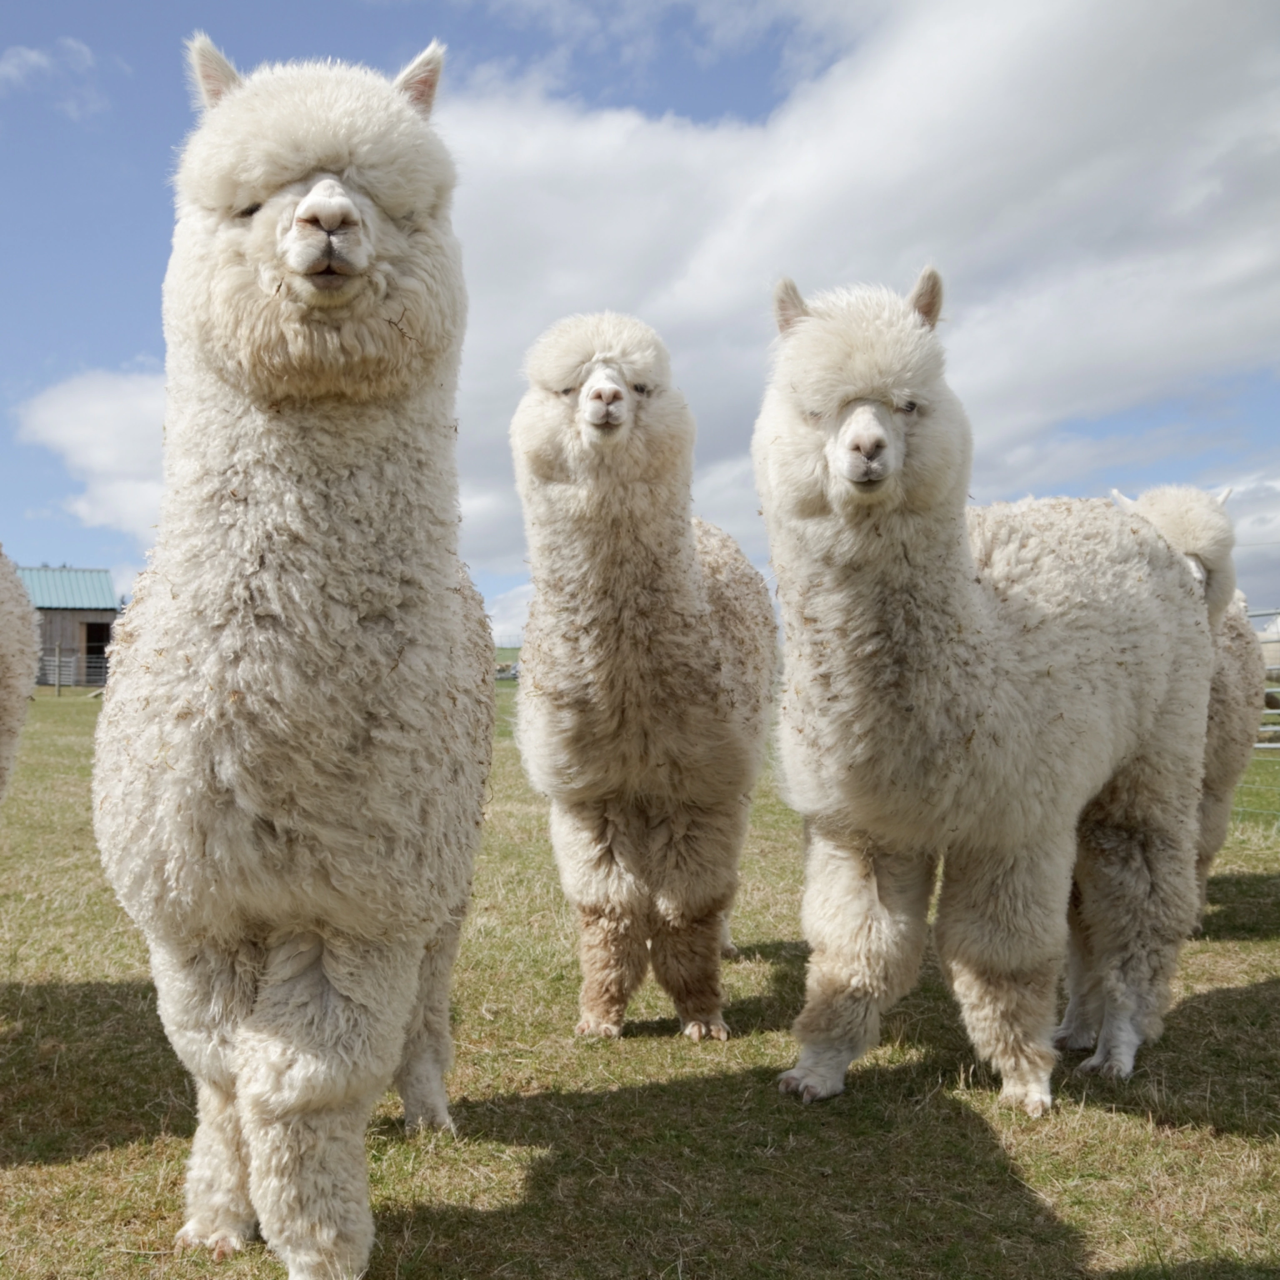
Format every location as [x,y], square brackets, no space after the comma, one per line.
[76,608]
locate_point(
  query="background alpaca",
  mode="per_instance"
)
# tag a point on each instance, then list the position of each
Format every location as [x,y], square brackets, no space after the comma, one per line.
[19,657]
[296,734]
[1236,694]
[967,687]
[646,670]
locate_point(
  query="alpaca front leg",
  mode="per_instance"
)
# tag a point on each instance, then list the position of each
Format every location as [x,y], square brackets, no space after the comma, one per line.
[1079,1026]
[614,956]
[1000,934]
[203,995]
[428,1046]
[325,1036]
[686,963]
[863,914]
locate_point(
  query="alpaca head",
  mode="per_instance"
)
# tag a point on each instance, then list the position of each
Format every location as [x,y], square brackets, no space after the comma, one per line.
[858,417]
[600,406]
[313,253]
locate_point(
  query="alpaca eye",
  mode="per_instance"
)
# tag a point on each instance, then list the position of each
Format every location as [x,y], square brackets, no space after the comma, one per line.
[640,389]
[568,391]
[909,407]
[249,212]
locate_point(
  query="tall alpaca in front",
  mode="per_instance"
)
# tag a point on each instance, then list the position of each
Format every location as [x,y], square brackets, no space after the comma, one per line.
[1021,691]
[646,671]
[296,734]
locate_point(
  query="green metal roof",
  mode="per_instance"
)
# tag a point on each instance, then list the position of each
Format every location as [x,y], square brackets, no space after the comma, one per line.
[69,588]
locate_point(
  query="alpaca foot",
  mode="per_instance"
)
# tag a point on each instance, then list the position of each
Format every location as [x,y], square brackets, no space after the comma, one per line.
[1108,1066]
[593,1026]
[426,1105]
[222,1241]
[1071,1038]
[819,1074]
[1118,1044]
[699,1029]
[1032,1096]
[727,950]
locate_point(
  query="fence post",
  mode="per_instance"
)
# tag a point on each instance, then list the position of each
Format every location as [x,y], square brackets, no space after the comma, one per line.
[57,671]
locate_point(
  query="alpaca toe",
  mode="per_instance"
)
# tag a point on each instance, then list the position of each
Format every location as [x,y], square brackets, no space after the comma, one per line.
[699,1029]
[1032,1096]
[593,1026]
[1071,1039]
[808,1085]
[222,1241]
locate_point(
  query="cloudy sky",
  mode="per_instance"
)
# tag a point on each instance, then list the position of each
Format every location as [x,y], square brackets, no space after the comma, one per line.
[1099,184]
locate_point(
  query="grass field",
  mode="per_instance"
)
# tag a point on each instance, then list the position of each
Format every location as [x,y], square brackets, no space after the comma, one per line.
[647,1156]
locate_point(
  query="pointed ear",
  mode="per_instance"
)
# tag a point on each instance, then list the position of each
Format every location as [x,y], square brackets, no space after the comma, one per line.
[1125,504]
[788,305]
[212,76]
[926,297]
[1224,495]
[419,80]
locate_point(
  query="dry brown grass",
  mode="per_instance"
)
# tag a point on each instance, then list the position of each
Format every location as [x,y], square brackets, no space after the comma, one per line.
[648,1156]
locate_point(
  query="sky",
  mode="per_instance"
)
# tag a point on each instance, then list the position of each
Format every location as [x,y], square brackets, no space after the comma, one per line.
[1098,183]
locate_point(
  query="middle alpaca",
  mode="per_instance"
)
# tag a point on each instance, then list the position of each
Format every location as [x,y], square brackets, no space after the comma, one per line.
[646,671]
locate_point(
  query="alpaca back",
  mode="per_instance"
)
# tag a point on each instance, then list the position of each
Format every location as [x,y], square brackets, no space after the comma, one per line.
[19,658]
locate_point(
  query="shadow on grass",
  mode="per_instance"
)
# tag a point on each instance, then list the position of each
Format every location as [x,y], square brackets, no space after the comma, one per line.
[82,1066]
[723,1177]
[1243,907]
[1213,1269]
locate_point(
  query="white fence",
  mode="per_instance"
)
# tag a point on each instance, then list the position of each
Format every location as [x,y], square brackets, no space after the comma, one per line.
[1258,795]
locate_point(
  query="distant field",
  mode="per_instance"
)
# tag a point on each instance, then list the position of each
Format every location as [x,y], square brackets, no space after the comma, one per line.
[648,1156]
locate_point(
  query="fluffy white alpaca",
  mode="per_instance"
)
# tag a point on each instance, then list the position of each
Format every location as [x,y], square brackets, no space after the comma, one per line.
[1239,669]
[1021,692]
[646,671]
[296,734]
[19,657]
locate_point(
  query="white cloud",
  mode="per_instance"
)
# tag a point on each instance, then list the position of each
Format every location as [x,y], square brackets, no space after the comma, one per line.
[18,64]
[107,428]
[508,612]
[66,68]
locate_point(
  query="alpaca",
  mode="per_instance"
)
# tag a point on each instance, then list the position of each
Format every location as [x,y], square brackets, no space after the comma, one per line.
[646,672]
[1237,692]
[19,658]
[297,728]
[1020,692]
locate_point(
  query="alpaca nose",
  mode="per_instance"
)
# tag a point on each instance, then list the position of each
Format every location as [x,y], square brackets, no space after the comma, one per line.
[606,394]
[870,446]
[327,207]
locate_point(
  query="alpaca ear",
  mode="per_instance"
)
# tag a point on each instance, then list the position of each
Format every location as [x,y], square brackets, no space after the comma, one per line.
[419,80]
[1125,504]
[1224,495]
[212,76]
[926,297]
[788,305]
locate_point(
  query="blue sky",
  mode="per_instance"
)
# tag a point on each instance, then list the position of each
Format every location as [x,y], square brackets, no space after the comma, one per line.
[1098,183]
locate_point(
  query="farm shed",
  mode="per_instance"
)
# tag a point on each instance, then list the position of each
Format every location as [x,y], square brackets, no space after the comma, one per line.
[76,608]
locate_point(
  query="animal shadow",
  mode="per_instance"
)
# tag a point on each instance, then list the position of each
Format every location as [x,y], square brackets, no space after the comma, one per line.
[83,1065]
[1243,907]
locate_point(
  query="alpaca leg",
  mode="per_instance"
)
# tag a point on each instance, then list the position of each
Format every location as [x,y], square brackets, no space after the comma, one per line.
[1139,900]
[428,1047]
[614,957]
[727,950]
[864,916]
[1083,1016]
[203,995]
[325,1036]
[686,963]
[1001,936]
[1215,819]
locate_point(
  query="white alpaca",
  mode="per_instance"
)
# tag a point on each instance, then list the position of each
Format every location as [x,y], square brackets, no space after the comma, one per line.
[1021,693]
[646,671]
[19,658]
[296,734]
[1239,669]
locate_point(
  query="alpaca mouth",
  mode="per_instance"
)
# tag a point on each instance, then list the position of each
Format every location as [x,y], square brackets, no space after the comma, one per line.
[329,275]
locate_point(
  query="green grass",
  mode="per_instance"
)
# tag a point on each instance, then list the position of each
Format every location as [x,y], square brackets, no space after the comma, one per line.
[647,1156]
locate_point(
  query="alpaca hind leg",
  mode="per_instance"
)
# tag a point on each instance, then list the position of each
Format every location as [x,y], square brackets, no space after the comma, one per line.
[686,963]
[1000,934]
[1079,1026]
[203,996]
[1139,900]
[428,1046]
[614,957]
[864,915]
[727,949]
[325,1036]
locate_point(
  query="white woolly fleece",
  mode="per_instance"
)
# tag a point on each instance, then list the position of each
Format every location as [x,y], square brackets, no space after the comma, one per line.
[293,749]
[1023,690]
[19,660]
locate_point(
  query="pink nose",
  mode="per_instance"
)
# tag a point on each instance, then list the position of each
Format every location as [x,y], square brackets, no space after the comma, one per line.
[871,447]
[327,207]
[606,394]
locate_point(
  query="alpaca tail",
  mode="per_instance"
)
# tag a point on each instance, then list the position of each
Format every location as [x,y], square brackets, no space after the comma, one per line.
[1194,523]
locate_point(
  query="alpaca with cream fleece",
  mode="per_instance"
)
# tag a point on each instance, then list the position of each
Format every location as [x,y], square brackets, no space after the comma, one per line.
[19,660]
[1020,692]
[646,671]
[296,733]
